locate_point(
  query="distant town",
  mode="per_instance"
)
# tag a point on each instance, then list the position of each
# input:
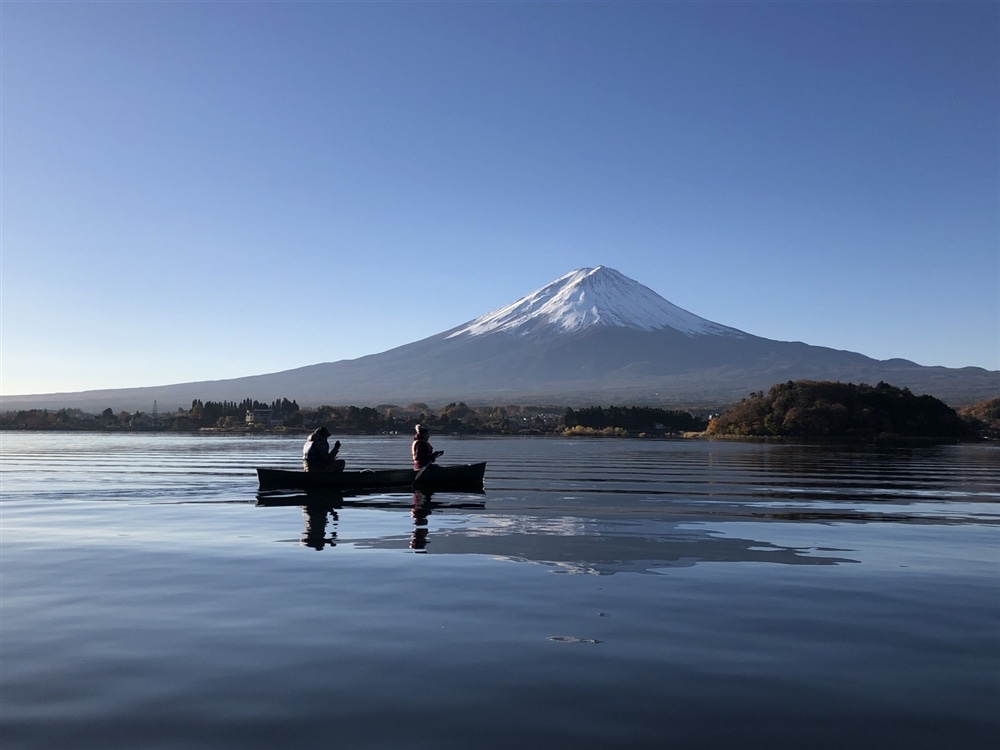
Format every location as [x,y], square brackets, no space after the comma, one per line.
[796,409]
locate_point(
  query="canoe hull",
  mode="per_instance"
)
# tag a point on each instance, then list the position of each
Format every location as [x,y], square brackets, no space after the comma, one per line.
[439,477]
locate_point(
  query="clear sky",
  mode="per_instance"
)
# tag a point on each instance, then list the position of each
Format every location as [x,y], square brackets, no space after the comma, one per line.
[205,190]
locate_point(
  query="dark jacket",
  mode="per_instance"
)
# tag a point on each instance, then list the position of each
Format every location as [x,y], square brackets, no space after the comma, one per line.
[317,448]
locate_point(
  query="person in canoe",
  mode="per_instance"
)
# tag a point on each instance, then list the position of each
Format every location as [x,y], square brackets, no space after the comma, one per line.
[317,455]
[423,453]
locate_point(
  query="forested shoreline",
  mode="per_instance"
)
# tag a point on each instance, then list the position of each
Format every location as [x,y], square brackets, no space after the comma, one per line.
[803,408]
[796,409]
[283,415]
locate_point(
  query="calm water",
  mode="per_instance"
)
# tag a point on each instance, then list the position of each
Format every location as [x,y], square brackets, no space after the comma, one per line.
[602,593]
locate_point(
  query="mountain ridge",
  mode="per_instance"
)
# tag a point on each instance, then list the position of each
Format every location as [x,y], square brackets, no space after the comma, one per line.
[591,336]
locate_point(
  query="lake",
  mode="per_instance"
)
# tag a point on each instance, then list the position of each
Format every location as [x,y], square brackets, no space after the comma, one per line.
[601,593]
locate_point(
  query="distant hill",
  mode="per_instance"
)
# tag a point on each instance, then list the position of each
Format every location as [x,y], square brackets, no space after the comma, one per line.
[592,336]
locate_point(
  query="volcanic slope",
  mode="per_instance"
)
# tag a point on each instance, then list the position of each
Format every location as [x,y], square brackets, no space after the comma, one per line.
[591,336]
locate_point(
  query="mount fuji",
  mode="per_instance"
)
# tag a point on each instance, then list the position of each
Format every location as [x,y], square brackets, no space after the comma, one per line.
[592,336]
[592,297]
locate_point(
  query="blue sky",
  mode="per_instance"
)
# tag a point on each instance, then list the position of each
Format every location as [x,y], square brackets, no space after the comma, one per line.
[196,191]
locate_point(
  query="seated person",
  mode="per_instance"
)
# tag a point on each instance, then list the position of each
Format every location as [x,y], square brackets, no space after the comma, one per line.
[317,454]
[422,452]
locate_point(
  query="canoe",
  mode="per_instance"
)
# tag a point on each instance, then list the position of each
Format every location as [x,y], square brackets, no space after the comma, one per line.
[437,477]
[377,499]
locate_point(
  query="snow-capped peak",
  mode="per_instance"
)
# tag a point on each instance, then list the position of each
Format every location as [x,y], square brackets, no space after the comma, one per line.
[587,297]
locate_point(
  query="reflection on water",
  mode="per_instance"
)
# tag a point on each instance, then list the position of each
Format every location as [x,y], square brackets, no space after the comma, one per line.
[315,533]
[583,505]
[320,513]
[567,543]
[635,506]
[420,512]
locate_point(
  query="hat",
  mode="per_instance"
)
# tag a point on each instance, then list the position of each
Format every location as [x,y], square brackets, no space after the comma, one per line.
[322,432]
[421,430]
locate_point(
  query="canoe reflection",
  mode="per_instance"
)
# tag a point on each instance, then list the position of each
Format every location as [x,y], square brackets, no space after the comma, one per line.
[320,511]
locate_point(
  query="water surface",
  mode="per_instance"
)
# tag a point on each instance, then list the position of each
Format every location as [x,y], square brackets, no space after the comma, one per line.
[635,593]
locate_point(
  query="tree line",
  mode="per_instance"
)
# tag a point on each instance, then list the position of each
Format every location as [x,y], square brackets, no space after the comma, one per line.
[633,419]
[285,414]
[797,409]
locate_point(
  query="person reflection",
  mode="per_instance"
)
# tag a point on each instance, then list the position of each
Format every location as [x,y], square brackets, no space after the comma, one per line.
[314,535]
[419,512]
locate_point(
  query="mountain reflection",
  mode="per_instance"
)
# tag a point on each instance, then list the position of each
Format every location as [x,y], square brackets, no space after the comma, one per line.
[573,545]
[566,542]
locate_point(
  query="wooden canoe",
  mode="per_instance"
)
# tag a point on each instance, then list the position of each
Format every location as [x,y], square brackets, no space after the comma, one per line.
[437,477]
